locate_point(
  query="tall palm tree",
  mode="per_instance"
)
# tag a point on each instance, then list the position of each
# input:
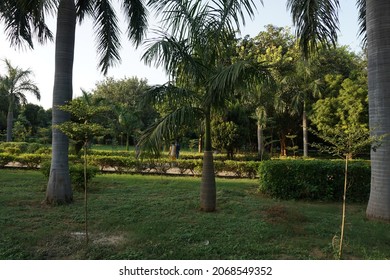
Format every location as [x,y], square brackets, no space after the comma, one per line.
[378,44]
[317,20]
[14,84]
[193,52]
[24,18]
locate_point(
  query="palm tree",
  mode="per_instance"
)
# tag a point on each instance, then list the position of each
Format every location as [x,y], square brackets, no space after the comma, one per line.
[318,21]
[14,85]
[195,55]
[25,18]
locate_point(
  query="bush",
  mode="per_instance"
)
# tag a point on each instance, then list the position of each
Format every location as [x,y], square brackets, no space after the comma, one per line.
[34,147]
[76,174]
[14,147]
[314,179]
[241,168]
[31,160]
[118,163]
[5,158]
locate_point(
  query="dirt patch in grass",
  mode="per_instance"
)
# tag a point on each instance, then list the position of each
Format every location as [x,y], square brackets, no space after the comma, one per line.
[318,254]
[101,238]
[277,214]
[113,240]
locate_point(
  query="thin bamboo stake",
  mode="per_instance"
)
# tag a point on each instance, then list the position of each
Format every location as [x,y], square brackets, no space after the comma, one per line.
[344,207]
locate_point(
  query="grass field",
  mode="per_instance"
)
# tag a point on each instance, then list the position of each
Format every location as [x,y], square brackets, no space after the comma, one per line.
[154,217]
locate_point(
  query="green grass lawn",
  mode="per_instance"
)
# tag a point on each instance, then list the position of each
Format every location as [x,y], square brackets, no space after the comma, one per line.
[154,217]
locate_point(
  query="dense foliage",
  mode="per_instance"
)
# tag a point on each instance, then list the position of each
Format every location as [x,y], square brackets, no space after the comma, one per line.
[314,179]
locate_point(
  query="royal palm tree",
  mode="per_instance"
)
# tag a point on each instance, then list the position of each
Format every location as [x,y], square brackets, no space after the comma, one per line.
[24,18]
[318,21]
[14,84]
[194,52]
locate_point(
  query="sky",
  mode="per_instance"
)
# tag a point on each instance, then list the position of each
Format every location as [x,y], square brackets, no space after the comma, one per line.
[85,71]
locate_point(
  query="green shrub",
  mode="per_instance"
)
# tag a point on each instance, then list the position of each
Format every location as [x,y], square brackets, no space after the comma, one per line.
[5,158]
[117,163]
[14,147]
[188,165]
[314,179]
[34,147]
[76,174]
[31,160]
[241,168]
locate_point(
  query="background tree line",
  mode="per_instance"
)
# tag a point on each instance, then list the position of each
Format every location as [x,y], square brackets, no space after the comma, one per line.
[327,93]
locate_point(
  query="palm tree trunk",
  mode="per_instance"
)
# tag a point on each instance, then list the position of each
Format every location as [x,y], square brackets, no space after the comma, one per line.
[208,187]
[260,141]
[305,135]
[127,142]
[10,120]
[200,148]
[283,145]
[378,32]
[59,188]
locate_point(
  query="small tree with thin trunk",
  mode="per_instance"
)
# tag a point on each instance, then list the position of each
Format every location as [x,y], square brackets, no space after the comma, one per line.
[346,143]
[82,128]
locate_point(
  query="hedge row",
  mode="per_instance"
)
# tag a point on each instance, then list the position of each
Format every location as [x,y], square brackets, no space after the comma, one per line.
[161,166]
[16,148]
[315,179]
[183,155]
[123,164]
[28,160]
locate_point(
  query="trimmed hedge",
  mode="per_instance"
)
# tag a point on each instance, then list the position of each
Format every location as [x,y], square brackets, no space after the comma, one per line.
[31,160]
[6,158]
[315,179]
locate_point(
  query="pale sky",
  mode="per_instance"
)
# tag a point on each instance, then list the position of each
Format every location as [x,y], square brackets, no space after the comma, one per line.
[85,72]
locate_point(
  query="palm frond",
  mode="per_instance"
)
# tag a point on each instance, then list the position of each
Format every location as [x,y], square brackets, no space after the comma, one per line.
[361,5]
[107,30]
[167,128]
[169,93]
[136,16]
[316,22]
[231,13]
[84,7]
[25,19]
[172,54]
[29,86]
[241,74]
[179,16]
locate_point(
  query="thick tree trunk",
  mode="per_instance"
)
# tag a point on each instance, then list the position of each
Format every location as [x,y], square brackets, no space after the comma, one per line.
[10,120]
[59,189]
[378,39]
[305,135]
[208,190]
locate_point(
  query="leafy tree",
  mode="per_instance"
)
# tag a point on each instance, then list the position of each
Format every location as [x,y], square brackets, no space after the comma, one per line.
[276,47]
[224,136]
[123,97]
[310,80]
[348,110]
[20,130]
[14,84]
[82,129]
